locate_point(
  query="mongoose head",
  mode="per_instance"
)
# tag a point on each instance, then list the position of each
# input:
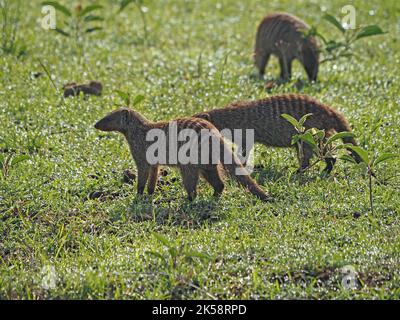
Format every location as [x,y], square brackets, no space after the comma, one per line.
[310,57]
[97,86]
[203,115]
[117,120]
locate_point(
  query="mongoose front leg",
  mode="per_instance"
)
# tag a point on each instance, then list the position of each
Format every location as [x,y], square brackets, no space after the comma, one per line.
[286,69]
[330,162]
[143,175]
[190,178]
[263,64]
[151,186]
[213,177]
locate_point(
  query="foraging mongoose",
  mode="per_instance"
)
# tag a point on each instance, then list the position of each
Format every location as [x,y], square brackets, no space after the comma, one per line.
[282,35]
[270,129]
[73,89]
[135,128]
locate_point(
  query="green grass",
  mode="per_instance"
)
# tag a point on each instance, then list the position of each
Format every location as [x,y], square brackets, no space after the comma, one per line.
[197,56]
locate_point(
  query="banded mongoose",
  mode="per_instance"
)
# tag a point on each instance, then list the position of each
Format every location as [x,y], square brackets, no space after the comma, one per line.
[282,35]
[92,88]
[271,129]
[135,128]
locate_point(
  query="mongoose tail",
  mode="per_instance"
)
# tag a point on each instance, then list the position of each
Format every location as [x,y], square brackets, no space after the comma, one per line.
[240,174]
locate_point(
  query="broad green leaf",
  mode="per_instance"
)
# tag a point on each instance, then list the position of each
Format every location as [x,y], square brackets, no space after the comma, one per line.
[369,31]
[89,9]
[62,32]
[304,118]
[124,3]
[2,160]
[139,98]
[124,96]
[292,120]
[93,18]
[156,254]
[162,239]
[197,254]
[330,18]
[363,154]
[18,159]
[319,134]
[58,7]
[295,139]
[308,138]
[340,135]
[348,158]
[89,30]
[173,252]
[384,157]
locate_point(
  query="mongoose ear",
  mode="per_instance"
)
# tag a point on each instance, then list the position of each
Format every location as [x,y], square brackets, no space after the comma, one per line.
[124,117]
[205,116]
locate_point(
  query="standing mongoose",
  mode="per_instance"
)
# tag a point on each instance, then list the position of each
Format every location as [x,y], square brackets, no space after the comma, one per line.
[92,88]
[282,35]
[135,128]
[265,118]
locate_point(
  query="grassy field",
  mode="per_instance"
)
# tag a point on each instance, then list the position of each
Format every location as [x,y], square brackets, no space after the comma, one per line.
[58,242]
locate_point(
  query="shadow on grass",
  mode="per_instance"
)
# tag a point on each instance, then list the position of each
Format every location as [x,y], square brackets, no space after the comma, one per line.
[272,84]
[267,174]
[165,211]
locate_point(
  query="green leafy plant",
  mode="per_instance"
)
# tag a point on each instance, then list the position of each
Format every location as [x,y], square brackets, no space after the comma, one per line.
[142,10]
[323,146]
[176,254]
[78,21]
[10,25]
[176,259]
[10,161]
[126,97]
[342,47]
[369,164]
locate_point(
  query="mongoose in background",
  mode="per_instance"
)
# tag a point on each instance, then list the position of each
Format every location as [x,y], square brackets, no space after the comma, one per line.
[282,35]
[135,128]
[270,129]
[92,88]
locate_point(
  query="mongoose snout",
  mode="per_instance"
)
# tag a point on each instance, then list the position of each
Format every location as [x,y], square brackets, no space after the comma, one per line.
[114,121]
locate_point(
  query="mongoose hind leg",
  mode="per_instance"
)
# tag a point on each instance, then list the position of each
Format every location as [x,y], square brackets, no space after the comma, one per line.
[286,69]
[143,175]
[213,177]
[190,178]
[151,186]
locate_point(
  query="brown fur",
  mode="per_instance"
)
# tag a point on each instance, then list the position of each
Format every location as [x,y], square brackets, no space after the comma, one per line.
[74,89]
[282,35]
[135,127]
[270,129]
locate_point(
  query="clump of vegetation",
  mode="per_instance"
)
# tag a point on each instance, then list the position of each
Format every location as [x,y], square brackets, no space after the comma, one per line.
[368,165]
[342,46]
[142,10]
[325,149]
[78,20]
[127,99]
[176,259]
[10,28]
[7,162]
